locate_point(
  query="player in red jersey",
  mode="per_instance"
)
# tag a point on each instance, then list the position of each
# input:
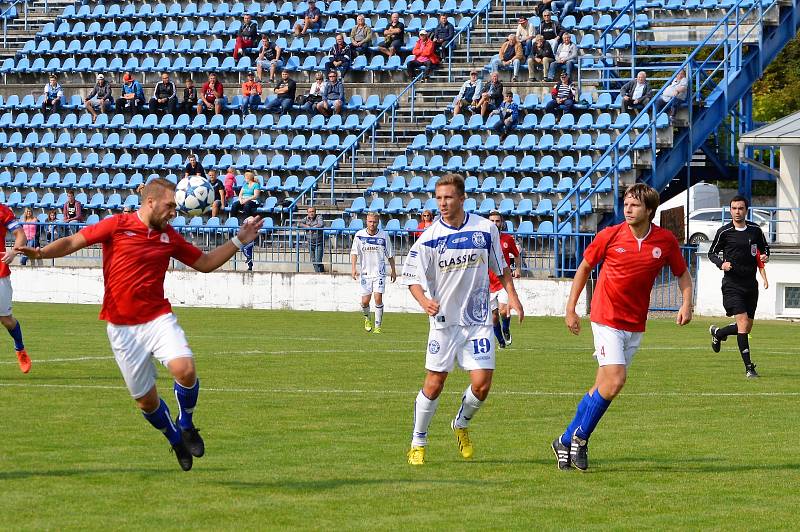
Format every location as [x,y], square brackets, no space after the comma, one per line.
[498,297]
[9,224]
[633,254]
[137,249]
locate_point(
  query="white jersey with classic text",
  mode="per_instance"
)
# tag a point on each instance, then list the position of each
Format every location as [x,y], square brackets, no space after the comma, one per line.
[452,265]
[373,252]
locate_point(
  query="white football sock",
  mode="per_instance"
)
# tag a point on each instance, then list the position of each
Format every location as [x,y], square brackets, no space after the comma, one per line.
[424,409]
[469,405]
[365,311]
[378,315]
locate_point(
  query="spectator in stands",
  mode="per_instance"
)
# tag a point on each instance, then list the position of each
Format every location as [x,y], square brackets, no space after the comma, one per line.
[541,57]
[132,98]
[550,29]
[469,94]
[313,222]
[309,101]
[510,56]
[219,192]
[100,97]
[165,96]
[563,7]
[246,38]
[332,95]
[340,56]
[285,92]
[230,182]
[491,96]
[52,227]
[509,116]
[566,55]
[251,94]
[564,94]
[248,196]
[73,210]
[211,96]
[269,55]
[31,229]
[424,223]
[424,57]
[442,35]
[544,6]
[53,94]
[525,34]
[393,36]
[635,94]
[189,97]
[360,37]
[675,94]
[193,167]
[312,20]
[127,209]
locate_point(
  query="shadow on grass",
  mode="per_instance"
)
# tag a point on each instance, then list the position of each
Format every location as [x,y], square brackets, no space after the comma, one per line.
[336,483]
[700,464]
[70,473]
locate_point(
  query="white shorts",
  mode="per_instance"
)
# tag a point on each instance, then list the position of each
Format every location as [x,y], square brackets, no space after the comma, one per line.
[5,296]
[370,285]
[133,345]
[472,346]
[498,298]
[613,346]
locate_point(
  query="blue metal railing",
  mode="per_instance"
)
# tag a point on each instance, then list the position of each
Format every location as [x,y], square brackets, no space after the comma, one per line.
[468,30]
[666,294]
[10,13]
[700,75]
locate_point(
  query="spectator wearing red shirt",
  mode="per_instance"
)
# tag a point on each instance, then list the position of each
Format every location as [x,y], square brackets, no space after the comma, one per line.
[633,254]
[425,58]
[427,221]
[10,224]
[501,314]
[251,94]
[137,250]
[211,96]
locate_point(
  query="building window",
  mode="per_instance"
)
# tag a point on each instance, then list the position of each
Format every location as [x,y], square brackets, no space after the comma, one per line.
[791,297]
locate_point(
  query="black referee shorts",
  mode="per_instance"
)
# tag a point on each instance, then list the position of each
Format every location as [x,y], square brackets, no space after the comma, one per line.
[740,299]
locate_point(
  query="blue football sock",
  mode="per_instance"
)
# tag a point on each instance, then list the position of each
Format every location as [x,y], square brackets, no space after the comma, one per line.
[16,334]
[595,409]
[187,400]
[498,333]
[160,419]
[506,323]
[566,438]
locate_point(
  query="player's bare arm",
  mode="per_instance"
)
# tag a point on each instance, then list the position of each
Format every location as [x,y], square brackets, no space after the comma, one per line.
[58,248]
[19,241]
[685,312]
[513,299]
[208,262]
[393,275]
[353,269]
[430,306]
[571,318]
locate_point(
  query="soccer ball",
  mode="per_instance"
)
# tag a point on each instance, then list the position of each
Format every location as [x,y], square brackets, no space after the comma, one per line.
[194,195]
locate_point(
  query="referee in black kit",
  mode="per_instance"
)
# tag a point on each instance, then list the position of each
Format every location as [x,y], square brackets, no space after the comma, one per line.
[739,242]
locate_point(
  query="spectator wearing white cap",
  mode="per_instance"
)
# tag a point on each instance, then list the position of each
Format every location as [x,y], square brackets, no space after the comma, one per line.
[100,97]
[424,56]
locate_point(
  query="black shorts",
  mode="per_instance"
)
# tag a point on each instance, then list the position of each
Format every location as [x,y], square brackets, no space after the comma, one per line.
[740,299]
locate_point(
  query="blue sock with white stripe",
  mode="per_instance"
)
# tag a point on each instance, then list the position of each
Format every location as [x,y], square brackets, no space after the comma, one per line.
[16,334]
[187,400]
[498,333]
[594,412]
[566,438]
[506,324]
[160,418]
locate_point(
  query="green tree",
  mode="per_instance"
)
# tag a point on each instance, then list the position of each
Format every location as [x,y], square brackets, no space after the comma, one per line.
[777,93]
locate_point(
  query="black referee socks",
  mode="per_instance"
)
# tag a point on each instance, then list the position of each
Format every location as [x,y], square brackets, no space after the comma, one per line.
[744,347]
[728,330]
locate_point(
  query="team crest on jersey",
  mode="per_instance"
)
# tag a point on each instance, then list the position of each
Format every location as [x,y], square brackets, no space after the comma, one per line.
[656,252]
[164,238]
[620,250]
[441,246]
[478,240]
[753,249]
[477,307]
[433,347]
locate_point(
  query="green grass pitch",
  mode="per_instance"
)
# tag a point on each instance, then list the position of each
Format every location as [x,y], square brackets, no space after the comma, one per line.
[307,420]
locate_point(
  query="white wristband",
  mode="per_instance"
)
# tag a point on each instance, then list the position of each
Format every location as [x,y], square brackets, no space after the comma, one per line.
[236,242]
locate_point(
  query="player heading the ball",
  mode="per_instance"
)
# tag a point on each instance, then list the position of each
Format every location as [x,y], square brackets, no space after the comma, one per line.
[447,272]
[137,249]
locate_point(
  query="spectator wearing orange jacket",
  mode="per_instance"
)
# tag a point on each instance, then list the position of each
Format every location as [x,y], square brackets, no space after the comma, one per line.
[251,94]
[425,58]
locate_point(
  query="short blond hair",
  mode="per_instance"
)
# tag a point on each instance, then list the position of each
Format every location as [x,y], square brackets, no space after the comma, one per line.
[156,187]
[457,180]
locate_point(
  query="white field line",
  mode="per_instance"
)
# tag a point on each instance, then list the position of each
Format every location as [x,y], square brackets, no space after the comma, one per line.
[336,391]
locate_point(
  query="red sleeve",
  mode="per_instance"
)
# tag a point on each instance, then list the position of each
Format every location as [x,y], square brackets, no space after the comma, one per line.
[183,250]
[6,215]
[675,258]
[596,251]
[512,244]
[101,231]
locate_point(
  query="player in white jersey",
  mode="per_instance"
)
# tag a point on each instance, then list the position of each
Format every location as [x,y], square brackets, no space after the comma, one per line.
[371,250]
[447,272]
